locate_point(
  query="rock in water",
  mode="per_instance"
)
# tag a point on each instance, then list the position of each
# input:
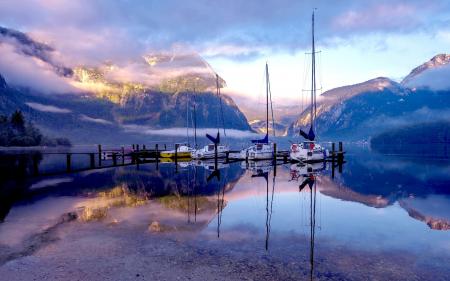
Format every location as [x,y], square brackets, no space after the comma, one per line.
[154,227]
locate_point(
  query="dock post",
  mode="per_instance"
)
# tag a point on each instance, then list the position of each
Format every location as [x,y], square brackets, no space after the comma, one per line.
[123,154]
[333,167]
[340,155]
[114,158]
[275,169]
[165,147]
[333,150]
[132,146]
[136,159]
[99,154]
[137,147]
[216,160]
[68,162]
[157,156]
[176,158]
[143,147]
[275,152]
[35,165]
[92,160]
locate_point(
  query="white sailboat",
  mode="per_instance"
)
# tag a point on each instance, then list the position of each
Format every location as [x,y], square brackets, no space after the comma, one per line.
[309,150]
[261,149]
[215,149]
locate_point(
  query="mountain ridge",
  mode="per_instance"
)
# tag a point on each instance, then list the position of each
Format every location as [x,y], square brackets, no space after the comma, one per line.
[362,110]
[169,85]
[438,60]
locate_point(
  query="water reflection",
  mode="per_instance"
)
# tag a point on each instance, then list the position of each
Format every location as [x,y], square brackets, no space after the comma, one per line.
[377,203]
[307,175]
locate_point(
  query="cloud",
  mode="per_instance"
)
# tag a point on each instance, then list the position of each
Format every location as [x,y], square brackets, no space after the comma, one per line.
[23,70]
[435,79]
[379,17]
[232,133]
[94,120]
[89,33]
[93,31]
[47,108]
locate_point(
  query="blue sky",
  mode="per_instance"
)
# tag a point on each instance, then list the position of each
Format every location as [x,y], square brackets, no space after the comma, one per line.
[359,39]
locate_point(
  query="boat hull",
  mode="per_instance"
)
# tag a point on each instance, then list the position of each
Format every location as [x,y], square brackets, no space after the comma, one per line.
[208,155]
[166,154]
[255,152]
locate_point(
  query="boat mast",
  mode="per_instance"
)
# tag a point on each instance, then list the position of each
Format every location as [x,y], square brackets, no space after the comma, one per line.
[187,118]
[218,96]
[267,99]
[221,107]
[195,121]
[313,76]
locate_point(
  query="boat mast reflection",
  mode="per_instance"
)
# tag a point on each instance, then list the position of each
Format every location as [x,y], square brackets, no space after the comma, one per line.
[220,194]
[309,180]
[262,169]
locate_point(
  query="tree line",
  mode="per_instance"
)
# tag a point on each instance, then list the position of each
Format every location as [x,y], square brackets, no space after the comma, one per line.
[16,131]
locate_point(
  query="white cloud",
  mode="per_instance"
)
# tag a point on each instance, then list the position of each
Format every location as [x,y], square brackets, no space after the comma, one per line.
[21,70]
[94,120]
[232,133]
[47,108]
[435,79]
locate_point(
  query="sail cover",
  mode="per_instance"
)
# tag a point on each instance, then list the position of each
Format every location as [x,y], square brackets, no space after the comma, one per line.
[310,135]
[264,140]
[215,140]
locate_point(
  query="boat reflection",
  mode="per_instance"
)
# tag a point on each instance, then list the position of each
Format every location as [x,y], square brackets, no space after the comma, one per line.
[299,170]
[258,167]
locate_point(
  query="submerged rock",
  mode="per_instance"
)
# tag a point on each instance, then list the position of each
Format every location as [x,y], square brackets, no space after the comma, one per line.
[154,227]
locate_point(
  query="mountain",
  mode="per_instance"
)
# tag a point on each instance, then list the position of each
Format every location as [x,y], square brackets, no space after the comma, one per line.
[346,111]
[260,127]
[422,133]
[430,139]
[255,111]
[364,110]
[85,118]
[105,100]
[435,62]
[164,72]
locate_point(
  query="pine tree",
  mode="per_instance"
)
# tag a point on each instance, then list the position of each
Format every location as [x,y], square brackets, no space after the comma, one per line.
[17,120]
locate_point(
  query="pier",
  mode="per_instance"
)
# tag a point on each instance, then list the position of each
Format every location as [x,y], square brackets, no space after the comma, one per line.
[101,158]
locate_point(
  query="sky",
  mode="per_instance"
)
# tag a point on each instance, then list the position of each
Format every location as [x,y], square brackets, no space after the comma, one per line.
[358,39]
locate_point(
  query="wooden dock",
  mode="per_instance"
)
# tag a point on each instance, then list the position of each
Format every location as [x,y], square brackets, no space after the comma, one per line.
[136,155]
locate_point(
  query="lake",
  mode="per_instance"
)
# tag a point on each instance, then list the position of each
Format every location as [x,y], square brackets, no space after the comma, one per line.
[381,217]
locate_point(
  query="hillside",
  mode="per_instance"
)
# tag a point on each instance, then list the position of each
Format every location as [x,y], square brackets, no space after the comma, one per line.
[97,103]
[364,110]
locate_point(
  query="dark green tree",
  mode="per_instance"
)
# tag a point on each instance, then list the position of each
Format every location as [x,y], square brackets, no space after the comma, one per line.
[18,121]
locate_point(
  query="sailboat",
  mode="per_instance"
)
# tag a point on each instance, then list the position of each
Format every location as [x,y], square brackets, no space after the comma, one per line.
[183,150]
[262,148]
[215,149]
[309,150]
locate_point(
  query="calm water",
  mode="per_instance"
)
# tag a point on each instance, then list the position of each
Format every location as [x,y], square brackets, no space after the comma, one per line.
[379,207]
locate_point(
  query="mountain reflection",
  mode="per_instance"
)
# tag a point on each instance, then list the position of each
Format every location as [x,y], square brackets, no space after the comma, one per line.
[228,199]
